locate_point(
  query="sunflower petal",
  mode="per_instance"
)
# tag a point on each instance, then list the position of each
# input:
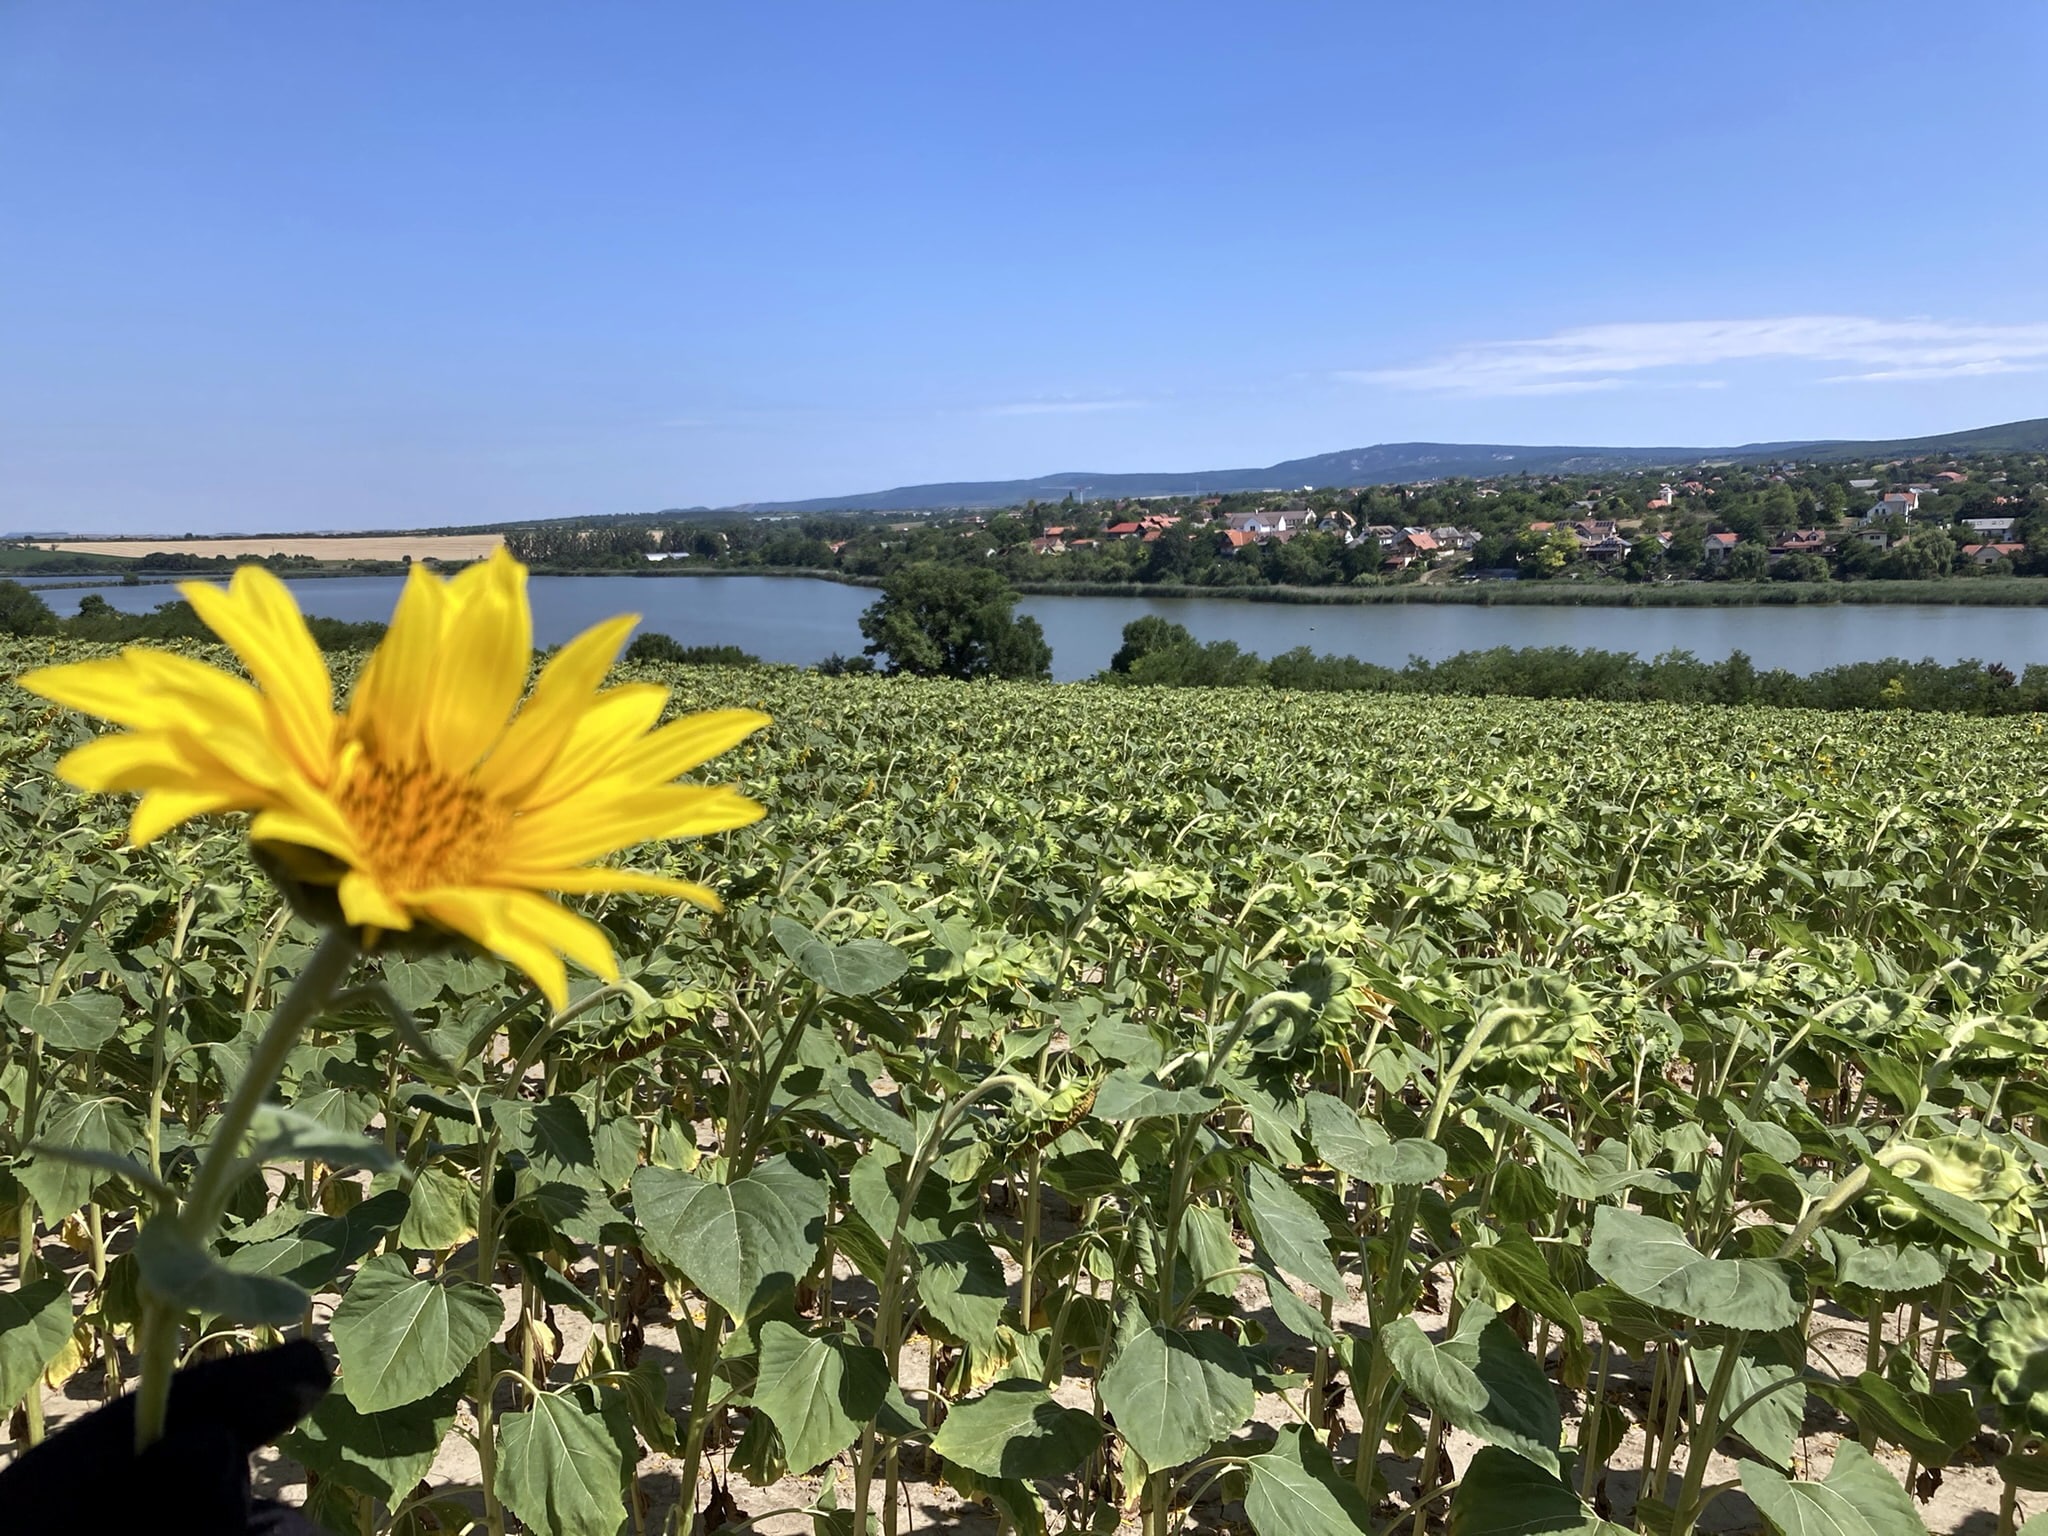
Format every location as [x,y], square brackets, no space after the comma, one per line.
[366,904]
[148,690]
[565,932]
[318,827]
[162,809]
[479,915]
[688,743]
[390,698]
[567,684]
[604,732]
[128,760]
[260,622]
[486,648]
[588,879]
[581,830]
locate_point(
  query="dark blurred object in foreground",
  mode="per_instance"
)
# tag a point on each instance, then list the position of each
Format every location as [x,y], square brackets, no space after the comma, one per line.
[194,1481]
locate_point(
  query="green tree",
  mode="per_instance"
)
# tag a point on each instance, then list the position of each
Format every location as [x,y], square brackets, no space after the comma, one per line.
[1747,562]
[22,612]
[1493,552]
[952,621]
[1560,547]
[1923,557]
[1804,567]
[1009,530]
[1687,549]
[657,648]
[1144,636]
[1219,664]
[1308,560]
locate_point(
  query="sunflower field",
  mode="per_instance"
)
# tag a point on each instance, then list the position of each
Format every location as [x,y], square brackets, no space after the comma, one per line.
[1096,1110]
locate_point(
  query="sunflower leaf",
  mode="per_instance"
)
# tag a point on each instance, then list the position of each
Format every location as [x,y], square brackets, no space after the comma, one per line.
[742,1244]
[401,1338]
[560,1467]
[35,1325]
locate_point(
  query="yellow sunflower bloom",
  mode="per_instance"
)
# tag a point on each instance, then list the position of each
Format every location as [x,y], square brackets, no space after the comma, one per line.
[446,796]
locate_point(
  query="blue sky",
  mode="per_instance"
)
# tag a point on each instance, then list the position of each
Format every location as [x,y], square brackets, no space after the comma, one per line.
[381,265]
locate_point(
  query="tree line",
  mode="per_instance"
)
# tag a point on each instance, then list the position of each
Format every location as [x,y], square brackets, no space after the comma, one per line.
[1756,503]
[934,620]
[1159,653]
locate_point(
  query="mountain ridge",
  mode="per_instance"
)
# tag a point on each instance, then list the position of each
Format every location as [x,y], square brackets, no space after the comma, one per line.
[1394,463]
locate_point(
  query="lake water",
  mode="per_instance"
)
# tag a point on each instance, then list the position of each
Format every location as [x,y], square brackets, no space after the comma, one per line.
[796,620]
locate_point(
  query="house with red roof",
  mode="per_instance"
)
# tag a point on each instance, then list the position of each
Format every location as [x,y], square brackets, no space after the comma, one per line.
[1417,544]
[1802,541]
[1991,554]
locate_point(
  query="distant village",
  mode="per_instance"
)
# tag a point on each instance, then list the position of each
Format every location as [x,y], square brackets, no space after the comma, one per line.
[1887,519]
[1972,515]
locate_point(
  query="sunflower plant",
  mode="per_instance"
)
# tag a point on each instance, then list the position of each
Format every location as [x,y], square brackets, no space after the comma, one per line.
[438,808]
[1682,1090]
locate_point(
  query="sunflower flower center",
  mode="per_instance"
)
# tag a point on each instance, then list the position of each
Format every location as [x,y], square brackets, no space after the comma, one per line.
[419,827]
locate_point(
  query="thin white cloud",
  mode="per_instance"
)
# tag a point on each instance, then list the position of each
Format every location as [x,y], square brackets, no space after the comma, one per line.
[1060,407]
[1601,356]
[1566,386]
[1936,371]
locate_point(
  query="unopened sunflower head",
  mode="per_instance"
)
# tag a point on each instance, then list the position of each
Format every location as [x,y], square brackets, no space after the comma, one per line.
[446,797]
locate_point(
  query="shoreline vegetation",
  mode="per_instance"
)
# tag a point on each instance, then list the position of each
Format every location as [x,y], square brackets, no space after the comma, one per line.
[1159,653]
[940,621]
[1955,591]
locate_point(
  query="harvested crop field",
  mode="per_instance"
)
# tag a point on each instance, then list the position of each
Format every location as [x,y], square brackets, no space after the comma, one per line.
[353,546]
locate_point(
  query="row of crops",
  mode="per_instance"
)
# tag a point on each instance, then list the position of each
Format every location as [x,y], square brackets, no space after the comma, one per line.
[1110,1109]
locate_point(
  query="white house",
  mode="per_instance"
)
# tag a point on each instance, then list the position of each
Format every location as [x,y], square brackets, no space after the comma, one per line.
[1894,504]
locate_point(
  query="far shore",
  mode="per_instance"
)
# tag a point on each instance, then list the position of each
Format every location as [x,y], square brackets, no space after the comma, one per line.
[339,546]
[1956,591]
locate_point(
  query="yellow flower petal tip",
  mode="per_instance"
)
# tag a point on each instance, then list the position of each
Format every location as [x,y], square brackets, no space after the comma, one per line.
[447,795]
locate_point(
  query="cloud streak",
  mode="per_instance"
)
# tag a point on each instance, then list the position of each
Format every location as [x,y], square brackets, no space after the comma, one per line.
[1060,407]
[1598,357]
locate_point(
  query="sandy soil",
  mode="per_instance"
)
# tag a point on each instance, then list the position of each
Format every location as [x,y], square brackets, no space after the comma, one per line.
[356,546]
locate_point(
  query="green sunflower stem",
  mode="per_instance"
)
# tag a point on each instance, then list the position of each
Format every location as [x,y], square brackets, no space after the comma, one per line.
[200,1212]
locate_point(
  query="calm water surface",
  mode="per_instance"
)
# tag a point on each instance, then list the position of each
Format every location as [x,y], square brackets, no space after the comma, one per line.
[802,621]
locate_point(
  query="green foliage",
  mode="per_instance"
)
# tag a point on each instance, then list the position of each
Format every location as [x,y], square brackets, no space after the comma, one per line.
[1017,1429]
[942,621]
[817,1390]
[561,1467]
[1175,1392]
[1650,1259]
[35,1325]
[653,648]
[1560,672]
[23,612]
[402,1338]
[2006,1351]
[745,1242]
[1294,1490]
[1049,1036]
[1858,1497]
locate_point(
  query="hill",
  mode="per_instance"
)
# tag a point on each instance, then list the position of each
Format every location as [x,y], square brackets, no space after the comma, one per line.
[1394,463]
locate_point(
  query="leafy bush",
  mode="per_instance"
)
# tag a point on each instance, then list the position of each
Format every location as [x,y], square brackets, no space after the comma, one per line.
[655,647]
